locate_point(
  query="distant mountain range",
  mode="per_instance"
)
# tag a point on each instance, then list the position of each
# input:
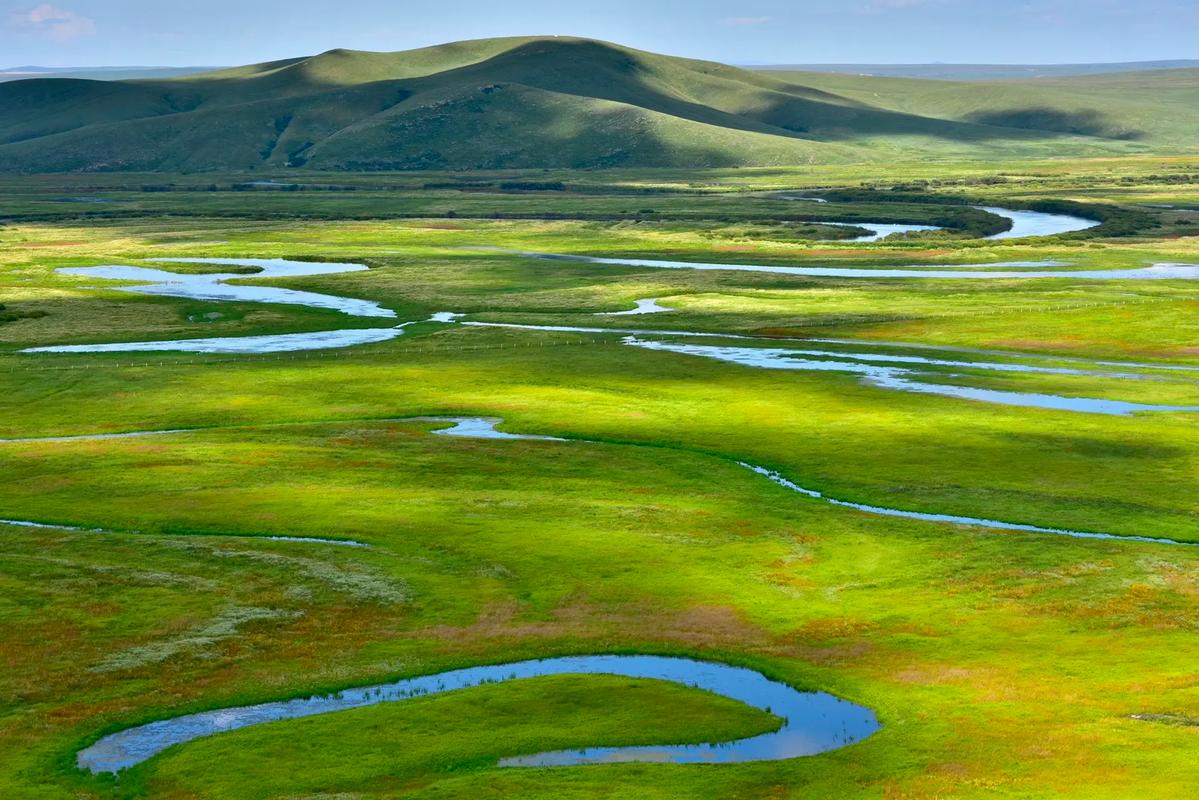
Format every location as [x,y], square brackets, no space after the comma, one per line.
[564,102]
[984,72]
[98,73]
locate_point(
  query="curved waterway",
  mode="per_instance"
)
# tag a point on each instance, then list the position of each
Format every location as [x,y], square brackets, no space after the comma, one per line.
[216,287]
[886,375]
[881,230]
[23,523]
[230,345]
[1024,223]
[952,519]
[1037,223]
[996,271]
[484,427]
[889,371]
[812,722]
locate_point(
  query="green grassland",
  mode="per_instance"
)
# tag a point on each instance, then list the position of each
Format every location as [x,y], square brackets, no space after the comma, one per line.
[569,103]
[1000,664]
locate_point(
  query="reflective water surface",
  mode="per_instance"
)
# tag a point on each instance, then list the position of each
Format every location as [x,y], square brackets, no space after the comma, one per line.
[647,306]
[22,523]
[881,230]
[480,428]
[217,286]
[812,722]
[997,271]
[270,343]
[952,519]
[906,379]
[1037,223]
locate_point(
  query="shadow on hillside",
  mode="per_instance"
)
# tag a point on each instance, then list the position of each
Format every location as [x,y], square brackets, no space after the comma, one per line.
[1084,122]
[733,99]
[711,94]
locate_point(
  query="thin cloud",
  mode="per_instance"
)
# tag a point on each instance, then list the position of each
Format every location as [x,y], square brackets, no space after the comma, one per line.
[55,23]
[884,6]
[742,22]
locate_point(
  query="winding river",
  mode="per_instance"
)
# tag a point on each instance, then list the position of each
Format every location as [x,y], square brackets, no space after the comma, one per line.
[811,722]
[1037,223]
[484,427]
[903,378]
[897,372]
[1024,223]
[217,287]
[1029,270]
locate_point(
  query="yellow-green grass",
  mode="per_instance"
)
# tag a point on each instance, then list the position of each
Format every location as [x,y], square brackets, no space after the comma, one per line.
[968,644]
[1000,664]
[424,266]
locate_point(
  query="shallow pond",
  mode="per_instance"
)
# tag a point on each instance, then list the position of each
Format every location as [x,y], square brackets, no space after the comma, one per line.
[480,428]
[647,306]
[812,722]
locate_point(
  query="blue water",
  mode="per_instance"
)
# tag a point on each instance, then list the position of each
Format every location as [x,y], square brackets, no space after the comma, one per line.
[480,428]
[881,230]
[1089,363]
[951,519]
[270,343]
[647,306]
[1037,223]
[1024,223]
[1156,272]
[906,379]
[217,286]
[812,722]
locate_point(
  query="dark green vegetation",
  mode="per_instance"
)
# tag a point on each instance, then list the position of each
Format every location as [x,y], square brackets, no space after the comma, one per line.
[98,73]
[980,72]
[567,103]
[1000,664]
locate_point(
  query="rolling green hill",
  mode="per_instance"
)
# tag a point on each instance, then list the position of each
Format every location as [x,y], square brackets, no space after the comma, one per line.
[561,102]
[1159,108]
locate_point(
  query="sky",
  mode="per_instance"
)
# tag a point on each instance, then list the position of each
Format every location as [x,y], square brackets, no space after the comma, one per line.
[229,32]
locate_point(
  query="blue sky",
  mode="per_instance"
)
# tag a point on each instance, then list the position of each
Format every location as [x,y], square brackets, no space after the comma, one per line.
[220,32]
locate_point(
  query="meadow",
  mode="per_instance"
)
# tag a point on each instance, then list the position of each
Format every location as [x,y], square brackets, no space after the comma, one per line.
[999,663]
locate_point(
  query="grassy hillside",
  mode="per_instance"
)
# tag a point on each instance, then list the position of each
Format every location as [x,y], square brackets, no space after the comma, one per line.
[1159,109]
[561,103]
[984,72]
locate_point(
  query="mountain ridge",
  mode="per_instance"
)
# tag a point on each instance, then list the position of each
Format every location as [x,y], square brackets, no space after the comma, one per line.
[518,102]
